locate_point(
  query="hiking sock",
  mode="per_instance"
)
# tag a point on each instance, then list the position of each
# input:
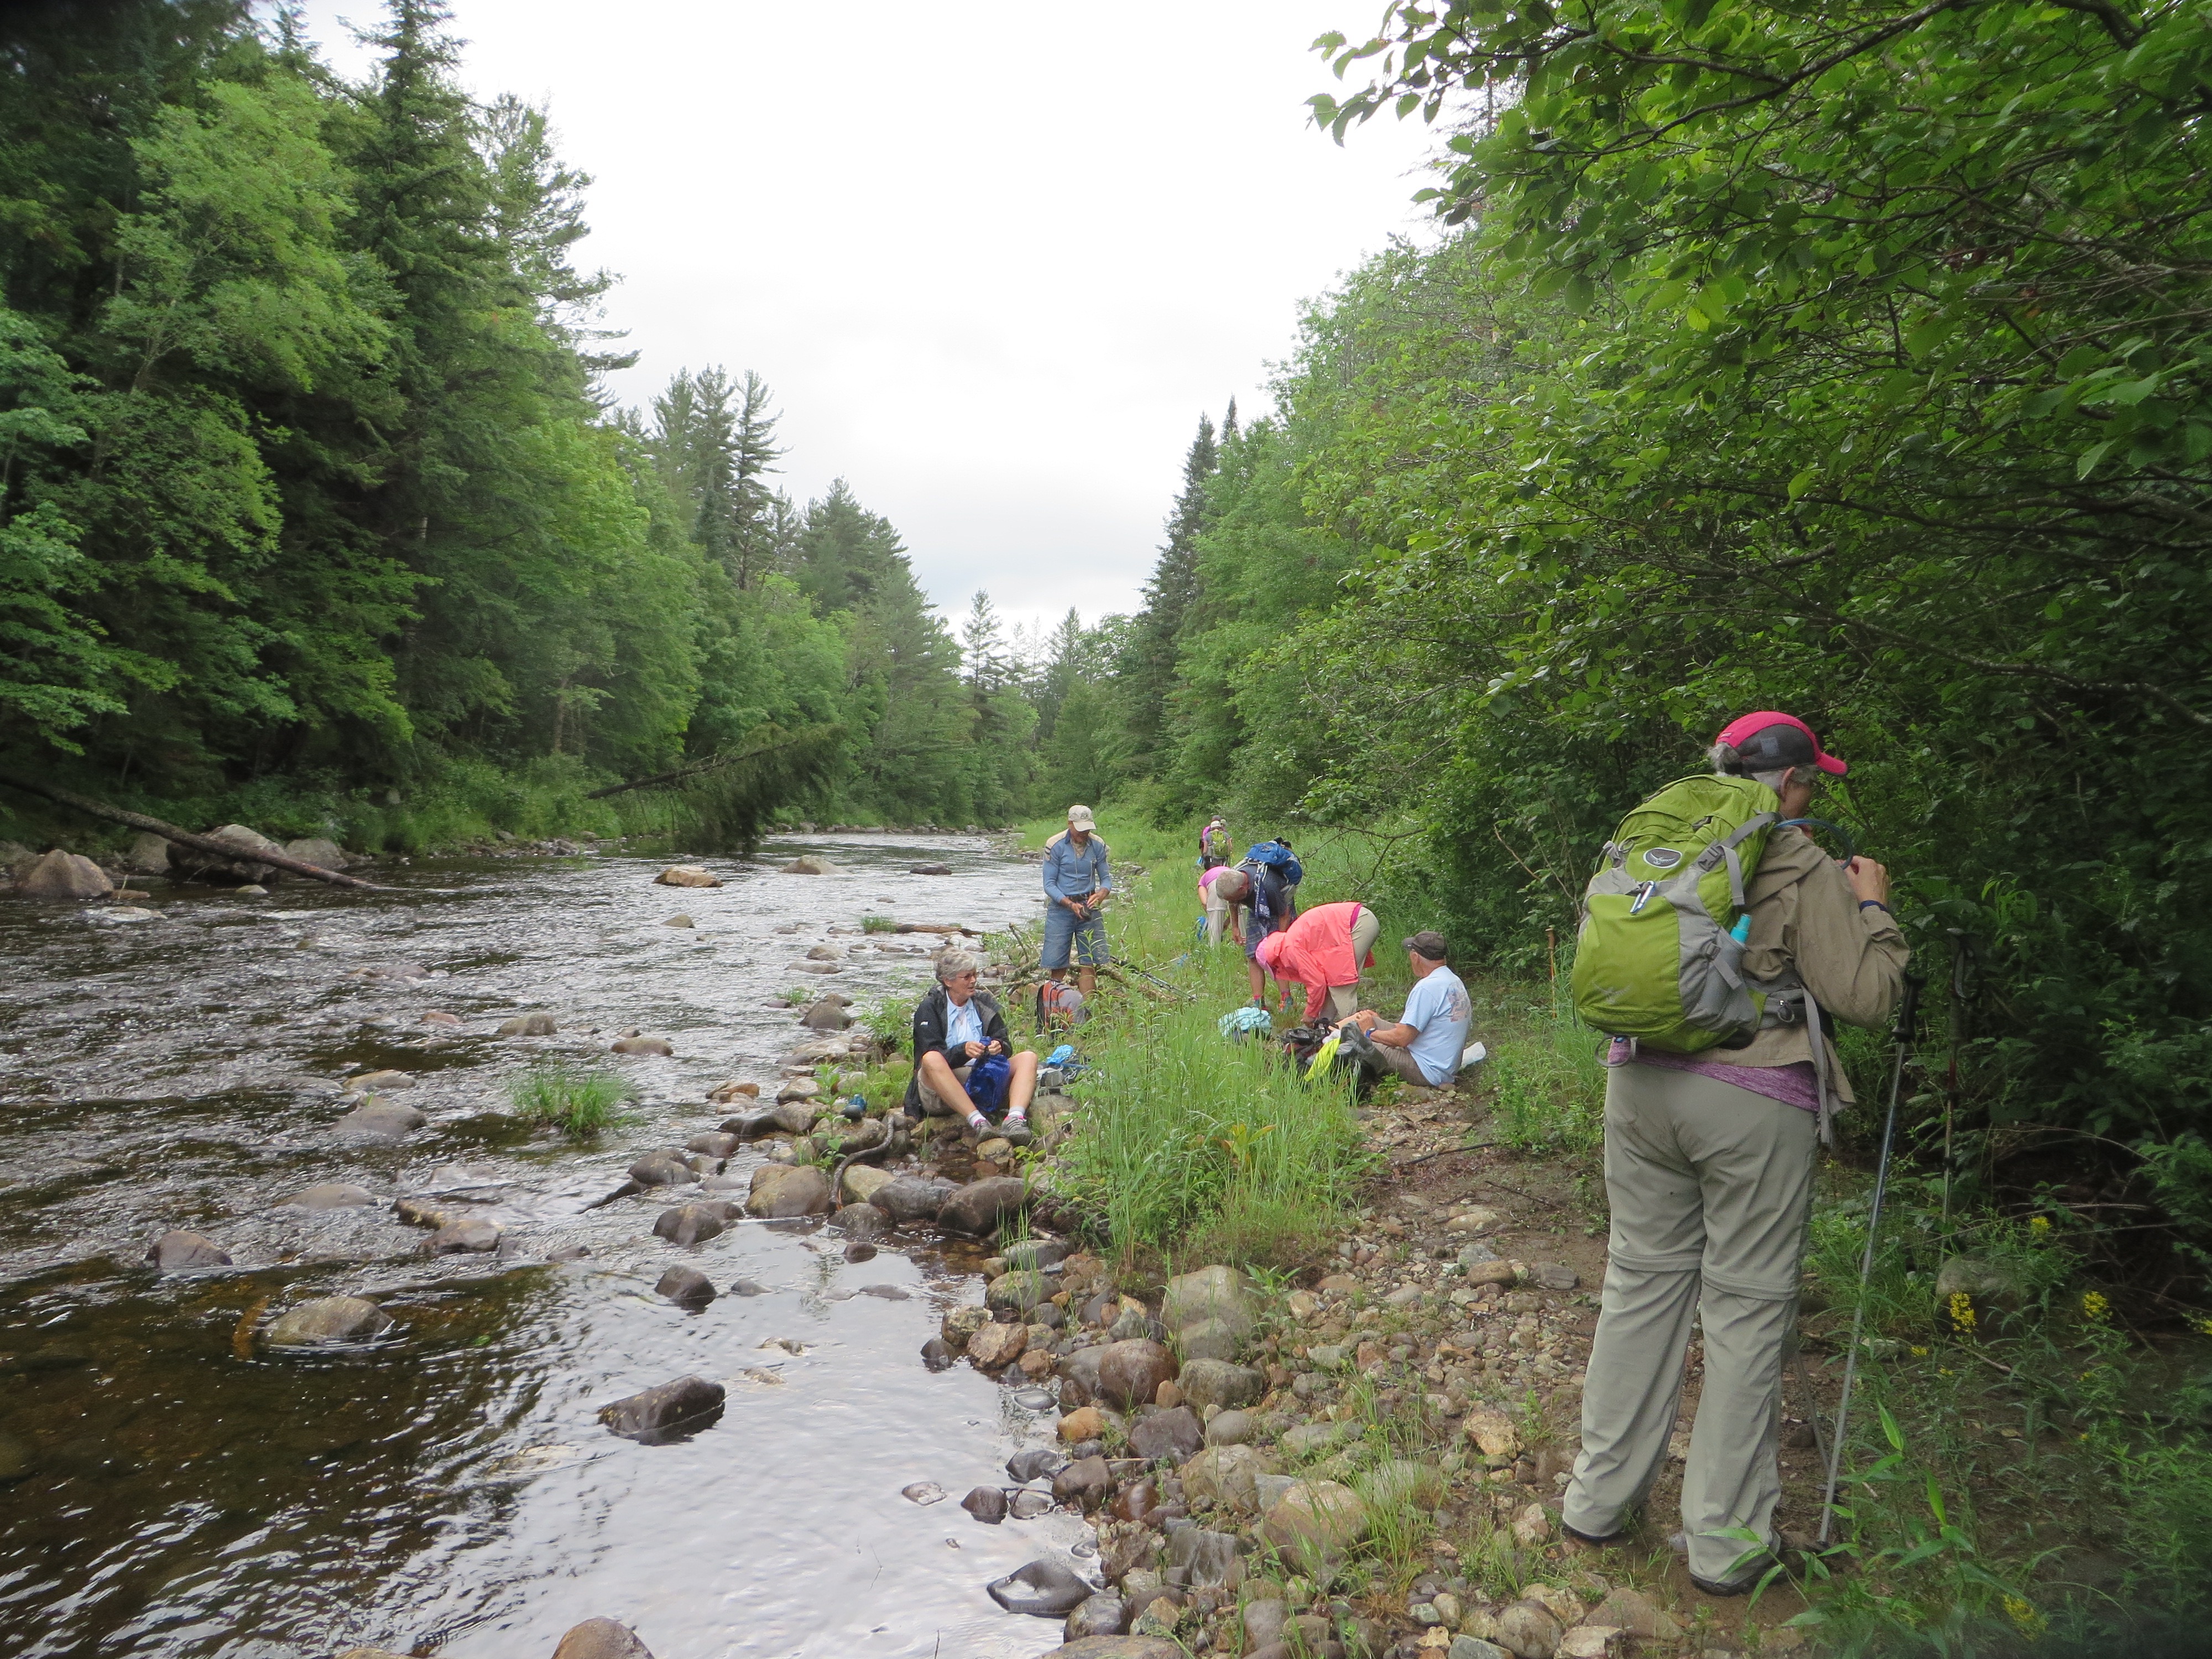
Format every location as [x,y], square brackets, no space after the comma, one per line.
[979,1123]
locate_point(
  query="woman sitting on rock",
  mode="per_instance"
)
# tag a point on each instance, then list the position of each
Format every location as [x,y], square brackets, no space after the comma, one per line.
[957,1029]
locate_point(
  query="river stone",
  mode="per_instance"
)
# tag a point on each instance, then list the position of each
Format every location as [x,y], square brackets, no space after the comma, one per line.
[679,920]
[1226,1475]
[1529,1630]
[462,1236]
[687,1287]
[788,1189]
[192,863]
[1104,1615]
[1209,1338]
[318,850]
[1217,1383]
[1314,1523]
[804,967]
[1492,1430]
[909,1198]
[1633,1612]
[377,1120]
[372,1653]
[1130,1373]
[1474,1647]
[1210,1293]
[825,1015]
[960,1323]
[809,864]
[1027,1506]
[330,1195]
[327,1319]
[687,875]
[177,1250]
[723,1093]
[715,1143]
[642,1045]
[663,1168]
[980,1205]
[860,1222]
[60,875]
[601,1638]
[668,1411]
[1035,1255]
[148,854]
[1177,1434]
[862,1181]
[938,1356]
[747,1287]
[1017,1292]
[528,1025]
[374,1082]
[1119,1647]
[1083,1484]
[1034,1464]
[994,1346]
[687,1224]
[1550,1276]
[1044,1589]
[987,1503]
[1229,1428]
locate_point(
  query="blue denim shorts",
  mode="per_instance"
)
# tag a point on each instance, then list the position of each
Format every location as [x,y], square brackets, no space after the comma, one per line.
[1088,937]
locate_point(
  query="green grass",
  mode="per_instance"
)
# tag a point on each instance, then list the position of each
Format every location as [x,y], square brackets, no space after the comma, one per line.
[580,1104]
[878,925]
[1544,1083]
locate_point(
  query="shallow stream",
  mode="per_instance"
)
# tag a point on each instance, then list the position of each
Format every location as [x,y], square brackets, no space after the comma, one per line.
[170,1486]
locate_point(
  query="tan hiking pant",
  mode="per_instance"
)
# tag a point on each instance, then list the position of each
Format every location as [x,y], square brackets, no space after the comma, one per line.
[1343,1000]
[1710,1186]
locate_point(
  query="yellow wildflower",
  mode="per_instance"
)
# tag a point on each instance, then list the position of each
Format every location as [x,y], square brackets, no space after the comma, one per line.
[2040,1225]
[2025,1618]
[2093,1306]
[1962,1312]
[2204,1327]
[1920,1353]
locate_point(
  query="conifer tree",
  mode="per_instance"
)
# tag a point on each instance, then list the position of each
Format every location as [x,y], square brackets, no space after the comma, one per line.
[1146,672]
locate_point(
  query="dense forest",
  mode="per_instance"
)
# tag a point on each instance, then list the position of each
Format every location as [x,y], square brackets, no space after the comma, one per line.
[313,510]
[1852,362]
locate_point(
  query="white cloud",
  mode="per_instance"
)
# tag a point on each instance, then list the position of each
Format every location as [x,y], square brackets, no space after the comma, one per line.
[995,259]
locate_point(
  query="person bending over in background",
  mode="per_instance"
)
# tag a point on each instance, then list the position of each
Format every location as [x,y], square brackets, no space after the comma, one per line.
[1076,883]
[958,1032]
[1324,950]
[1425,1046]
[1270,899]
[1222,891]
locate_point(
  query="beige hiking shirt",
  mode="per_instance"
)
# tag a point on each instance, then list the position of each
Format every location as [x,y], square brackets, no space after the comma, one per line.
[1805,916]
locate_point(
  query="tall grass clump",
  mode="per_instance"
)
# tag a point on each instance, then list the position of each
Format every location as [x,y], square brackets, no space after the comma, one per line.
[1548,1085]
[578,1103]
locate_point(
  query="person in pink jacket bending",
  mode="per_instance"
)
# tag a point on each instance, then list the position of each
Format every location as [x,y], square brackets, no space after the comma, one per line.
[1324,951]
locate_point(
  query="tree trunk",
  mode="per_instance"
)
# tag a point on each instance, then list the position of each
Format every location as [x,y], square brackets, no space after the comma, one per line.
[221,849]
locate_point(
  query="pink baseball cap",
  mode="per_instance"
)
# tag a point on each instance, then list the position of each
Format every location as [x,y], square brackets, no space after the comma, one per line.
[1770,740]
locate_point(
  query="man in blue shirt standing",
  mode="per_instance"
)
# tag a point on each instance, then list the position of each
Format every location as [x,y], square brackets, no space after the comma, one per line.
[1076,883]
[1425,1046]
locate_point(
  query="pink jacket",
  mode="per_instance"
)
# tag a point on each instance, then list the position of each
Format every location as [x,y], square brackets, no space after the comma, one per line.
[1316,950]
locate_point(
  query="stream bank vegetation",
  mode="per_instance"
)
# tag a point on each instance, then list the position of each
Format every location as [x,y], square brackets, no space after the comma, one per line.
[578,1103]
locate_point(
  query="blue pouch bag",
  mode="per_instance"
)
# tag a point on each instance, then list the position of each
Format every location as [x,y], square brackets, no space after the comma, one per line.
[986,1084]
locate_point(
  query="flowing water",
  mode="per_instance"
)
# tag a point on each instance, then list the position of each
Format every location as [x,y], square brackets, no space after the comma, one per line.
[170,1486]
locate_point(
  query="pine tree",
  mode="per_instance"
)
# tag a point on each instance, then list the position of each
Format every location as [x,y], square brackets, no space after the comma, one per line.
[1148,668]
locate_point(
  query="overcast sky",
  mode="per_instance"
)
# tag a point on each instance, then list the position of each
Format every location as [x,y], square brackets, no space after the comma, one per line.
[995,259]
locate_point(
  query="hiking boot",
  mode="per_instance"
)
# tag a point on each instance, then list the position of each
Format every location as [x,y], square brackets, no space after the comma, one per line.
[1592,1540]
[1780,1557]
[1016,1131]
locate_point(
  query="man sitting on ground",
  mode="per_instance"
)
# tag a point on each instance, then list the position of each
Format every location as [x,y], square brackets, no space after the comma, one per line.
[1425,1046]
[956,1026]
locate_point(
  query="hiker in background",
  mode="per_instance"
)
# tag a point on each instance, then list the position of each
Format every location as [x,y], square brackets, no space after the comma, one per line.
[1709,1176]
[1222,889]
[1324,951]
[1076,883]
[960,1039]
[1273,873]
[1424,1047]
[1214,845]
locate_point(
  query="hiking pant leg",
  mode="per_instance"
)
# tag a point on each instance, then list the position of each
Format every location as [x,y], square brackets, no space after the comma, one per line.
[1343,1003]
[1755,1159]
[1366,929]
[1396,1062]
[1634,1384]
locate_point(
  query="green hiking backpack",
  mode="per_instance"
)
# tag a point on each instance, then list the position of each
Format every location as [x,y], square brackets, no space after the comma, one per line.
[1656,958]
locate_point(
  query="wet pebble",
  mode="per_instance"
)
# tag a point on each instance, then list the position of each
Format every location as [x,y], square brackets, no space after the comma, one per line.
[987,1503]
[329,1195]
[690,1223]
[177,1251]
[462,1236]
[1044,1589]
[1029,1504]
[1035,1463]
[924,1493]
[376,1120]
[662,1169]
[687,1287]
[936,1357]
[328,1318]
[747,1287]
[669,1410]
[601,1638]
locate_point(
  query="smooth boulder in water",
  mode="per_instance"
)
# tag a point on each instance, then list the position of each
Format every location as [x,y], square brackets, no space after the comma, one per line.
[811,865]
[643,1045]
[860,1222]
[788,1189]
[1043,1590]
[929,870]
[687,1287]
[329,1195]
[980,1206]
[601,1638]
[987,1503]
[463,1236]
[688,1224]
[177,1250]
[662,1169]
[1103,1614]
[378,1119]
[937,1357]
[827,1014]
[191,864]
[528,1025]
[909,1198]
[328,1318]
[1037,1463]
[666,1412]
[687,875]
[61,876]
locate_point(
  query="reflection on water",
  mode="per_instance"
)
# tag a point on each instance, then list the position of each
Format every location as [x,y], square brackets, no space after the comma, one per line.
[168,1488]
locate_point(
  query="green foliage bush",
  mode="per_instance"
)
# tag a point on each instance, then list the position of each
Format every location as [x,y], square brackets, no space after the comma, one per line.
[578,1103]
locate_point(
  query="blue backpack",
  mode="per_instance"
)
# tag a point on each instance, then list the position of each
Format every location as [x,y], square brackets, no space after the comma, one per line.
[1278,857]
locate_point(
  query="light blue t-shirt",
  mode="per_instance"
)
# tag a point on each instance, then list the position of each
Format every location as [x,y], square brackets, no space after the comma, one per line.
[1439,1013]
[964,1023]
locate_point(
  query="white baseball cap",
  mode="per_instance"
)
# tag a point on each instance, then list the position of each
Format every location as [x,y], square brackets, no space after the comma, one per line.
[1079,818]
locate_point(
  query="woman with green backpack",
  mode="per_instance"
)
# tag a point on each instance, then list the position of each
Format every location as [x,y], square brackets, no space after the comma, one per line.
[1717,941]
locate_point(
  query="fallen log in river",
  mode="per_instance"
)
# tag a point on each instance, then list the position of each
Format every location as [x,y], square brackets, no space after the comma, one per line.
[208,844]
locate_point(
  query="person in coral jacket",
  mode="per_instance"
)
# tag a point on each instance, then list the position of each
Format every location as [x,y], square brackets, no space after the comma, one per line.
[1324,951]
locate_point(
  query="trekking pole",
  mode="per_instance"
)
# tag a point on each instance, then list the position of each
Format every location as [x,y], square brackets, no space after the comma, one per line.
[1908,1018]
